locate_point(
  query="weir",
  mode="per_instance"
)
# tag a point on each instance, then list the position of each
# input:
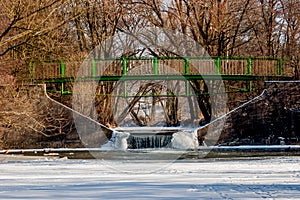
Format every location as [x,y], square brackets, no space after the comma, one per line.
[149,137]
[149,141]
[157,137]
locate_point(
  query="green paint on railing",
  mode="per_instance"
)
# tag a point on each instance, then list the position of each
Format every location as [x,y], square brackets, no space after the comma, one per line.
[218,65]
[124,73]
[62,74]
[187,88]
[62,69]
[251,86]
[62,78]
[94,67]
[249,66]
[280,67]
[187,69]
[124,65]
[164,77]
[155,66]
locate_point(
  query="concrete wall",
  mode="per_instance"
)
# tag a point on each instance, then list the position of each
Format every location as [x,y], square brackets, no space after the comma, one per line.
[262,120]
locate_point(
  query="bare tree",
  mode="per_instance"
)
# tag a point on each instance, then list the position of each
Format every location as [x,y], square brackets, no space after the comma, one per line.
[35,30]
[291,34]
[27,118]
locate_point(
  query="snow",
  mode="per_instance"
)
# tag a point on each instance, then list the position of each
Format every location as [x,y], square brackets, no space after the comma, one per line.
[185,140]
[152,130]
[52,178]
[118,141]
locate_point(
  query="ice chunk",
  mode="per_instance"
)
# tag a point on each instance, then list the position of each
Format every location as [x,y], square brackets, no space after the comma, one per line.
[185,140]
[120,140]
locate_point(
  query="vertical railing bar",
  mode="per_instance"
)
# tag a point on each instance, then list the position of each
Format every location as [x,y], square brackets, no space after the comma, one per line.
[218,65]
[187,69]
[281,72]
[249,66]
[124,73]
[155,66]
[62,74]
[94,68]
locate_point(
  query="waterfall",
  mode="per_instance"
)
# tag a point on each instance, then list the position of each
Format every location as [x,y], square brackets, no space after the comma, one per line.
[184,140]
[152,141]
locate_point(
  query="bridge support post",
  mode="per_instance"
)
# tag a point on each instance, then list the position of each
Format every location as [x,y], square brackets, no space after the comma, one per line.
[280,67]
[218,65]
[249,66]
[155,66]
[187,72]
[249,72]
[62,75]
[124,73]
[94,68]
[124,65]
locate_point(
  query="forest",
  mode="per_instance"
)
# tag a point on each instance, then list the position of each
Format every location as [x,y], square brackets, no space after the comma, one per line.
[70,29]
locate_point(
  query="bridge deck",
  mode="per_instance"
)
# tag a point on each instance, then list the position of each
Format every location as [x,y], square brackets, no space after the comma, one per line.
[167,77]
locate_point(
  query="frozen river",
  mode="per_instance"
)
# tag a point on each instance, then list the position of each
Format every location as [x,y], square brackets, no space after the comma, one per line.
[50,178]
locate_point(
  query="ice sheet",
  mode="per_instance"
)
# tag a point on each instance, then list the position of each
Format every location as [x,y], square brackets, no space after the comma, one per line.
[44,178]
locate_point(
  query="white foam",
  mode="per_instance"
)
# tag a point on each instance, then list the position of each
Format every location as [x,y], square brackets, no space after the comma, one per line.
[185,140]
[117,142]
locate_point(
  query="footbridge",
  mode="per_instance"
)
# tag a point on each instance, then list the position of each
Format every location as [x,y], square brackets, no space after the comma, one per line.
[158,68]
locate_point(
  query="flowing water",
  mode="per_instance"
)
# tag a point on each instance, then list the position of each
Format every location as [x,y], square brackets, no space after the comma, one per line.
[182,139]
[150,141]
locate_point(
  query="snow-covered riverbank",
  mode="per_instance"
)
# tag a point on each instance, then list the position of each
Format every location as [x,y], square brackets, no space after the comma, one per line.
[45,178]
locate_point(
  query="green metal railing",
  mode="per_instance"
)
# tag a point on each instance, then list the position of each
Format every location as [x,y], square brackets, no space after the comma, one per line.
[159,68]
[185,66]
